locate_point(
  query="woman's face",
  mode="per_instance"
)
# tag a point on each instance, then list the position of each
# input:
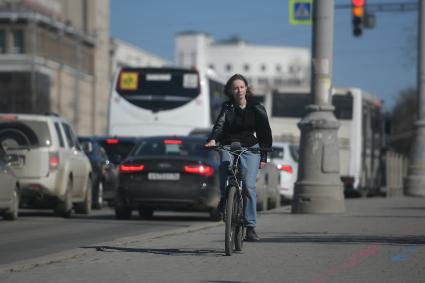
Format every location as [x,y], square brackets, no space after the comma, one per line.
[238,89]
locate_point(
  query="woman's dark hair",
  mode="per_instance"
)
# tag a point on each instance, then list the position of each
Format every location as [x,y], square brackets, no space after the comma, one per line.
[228,86]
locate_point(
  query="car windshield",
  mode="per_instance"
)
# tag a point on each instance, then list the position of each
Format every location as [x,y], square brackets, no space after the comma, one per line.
[117,149]
[15,134]
[170,148]
[277,153]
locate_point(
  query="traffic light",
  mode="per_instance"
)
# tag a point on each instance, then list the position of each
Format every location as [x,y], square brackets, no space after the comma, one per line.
[358,13]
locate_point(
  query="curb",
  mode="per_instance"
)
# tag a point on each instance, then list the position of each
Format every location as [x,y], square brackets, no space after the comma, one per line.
[36,262]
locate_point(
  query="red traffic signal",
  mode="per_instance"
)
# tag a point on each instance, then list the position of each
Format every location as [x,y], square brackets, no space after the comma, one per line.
[358,3]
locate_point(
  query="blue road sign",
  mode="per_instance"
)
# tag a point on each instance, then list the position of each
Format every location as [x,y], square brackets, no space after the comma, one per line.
[300,12]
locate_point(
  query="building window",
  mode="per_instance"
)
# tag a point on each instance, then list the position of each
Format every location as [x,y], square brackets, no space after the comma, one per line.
[279,82]
[278,68]
[2,42]
[246,67]
[295,68]
[263,81]
[263,67]
[17,41]
[228,67]
[211,66]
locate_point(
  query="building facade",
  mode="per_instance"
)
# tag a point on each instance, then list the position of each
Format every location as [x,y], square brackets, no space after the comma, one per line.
[266,67]
[124,54]
[54,57]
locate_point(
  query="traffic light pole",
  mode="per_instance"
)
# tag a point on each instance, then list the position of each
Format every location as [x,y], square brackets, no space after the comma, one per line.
[415,180]
[319,188]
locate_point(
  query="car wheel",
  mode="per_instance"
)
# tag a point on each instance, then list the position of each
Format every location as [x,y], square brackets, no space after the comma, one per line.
[146,212]
[98,200]
[215,215]
[85,206]
[12,214]
[64,208]
[122,211]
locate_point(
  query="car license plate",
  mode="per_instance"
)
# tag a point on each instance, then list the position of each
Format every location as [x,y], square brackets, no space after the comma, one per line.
[164,176]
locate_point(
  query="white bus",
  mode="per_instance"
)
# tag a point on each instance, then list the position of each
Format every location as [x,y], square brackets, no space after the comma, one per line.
[163,101]
[361,131]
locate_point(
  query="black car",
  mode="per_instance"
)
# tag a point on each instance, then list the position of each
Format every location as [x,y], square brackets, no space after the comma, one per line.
[105,172]
[168,173]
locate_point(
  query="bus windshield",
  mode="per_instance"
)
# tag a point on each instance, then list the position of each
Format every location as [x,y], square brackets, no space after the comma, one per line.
[293,105]
[158,89]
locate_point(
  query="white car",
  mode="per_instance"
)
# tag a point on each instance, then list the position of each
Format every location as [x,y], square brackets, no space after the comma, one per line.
[9,189]
[52,169]
[285,157]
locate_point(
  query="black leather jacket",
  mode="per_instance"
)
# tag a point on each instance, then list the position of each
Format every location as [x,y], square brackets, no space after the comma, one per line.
[225,131]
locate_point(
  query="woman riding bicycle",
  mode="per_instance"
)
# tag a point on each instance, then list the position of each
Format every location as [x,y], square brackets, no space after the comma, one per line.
[239,119]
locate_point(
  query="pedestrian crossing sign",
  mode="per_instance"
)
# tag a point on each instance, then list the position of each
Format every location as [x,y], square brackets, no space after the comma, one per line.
[300,12]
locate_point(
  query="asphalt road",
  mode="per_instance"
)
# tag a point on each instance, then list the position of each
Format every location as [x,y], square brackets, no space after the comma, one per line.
[375,240]
[40,233]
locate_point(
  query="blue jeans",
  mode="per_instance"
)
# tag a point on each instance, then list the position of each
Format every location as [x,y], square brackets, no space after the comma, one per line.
[249,163]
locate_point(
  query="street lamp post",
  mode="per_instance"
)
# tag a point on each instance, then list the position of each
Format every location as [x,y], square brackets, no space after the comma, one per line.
[319,188]
[415,181]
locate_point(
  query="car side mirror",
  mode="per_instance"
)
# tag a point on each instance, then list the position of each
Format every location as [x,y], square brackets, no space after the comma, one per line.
[87,146]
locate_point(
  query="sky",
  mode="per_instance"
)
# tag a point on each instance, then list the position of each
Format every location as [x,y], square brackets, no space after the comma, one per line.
[382,61]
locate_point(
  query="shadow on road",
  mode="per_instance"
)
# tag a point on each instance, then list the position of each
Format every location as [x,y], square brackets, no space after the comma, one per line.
[406,208]
[109,215]
[171,252]
[388,216]
[346,239]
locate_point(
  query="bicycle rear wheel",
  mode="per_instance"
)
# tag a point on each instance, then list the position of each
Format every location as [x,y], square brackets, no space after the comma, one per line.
[231,221]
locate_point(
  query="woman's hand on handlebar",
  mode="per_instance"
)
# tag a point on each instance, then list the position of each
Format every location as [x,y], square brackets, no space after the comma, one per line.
[210,143]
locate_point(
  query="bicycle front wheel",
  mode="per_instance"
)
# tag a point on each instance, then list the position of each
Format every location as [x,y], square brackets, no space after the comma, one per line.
[239,228]
[231,221]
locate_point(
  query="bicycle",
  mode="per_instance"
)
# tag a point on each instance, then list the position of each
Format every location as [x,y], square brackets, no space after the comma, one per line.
[234,205]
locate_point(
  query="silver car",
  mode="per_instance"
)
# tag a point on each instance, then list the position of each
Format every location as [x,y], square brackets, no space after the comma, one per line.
[285,157]
[267,185]
[9,189]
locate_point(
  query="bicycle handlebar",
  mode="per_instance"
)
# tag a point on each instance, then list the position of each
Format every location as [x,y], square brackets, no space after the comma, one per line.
[254,150]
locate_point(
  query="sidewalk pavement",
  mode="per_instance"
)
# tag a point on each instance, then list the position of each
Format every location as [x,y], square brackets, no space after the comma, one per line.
[376,240]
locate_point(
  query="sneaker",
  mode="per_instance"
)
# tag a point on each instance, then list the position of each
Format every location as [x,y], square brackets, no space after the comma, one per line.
[251,235]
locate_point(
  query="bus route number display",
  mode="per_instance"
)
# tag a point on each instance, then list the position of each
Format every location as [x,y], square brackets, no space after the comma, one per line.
[129,81]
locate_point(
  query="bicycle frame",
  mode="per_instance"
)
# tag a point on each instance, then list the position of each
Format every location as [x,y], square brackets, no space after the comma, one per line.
[234,176]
